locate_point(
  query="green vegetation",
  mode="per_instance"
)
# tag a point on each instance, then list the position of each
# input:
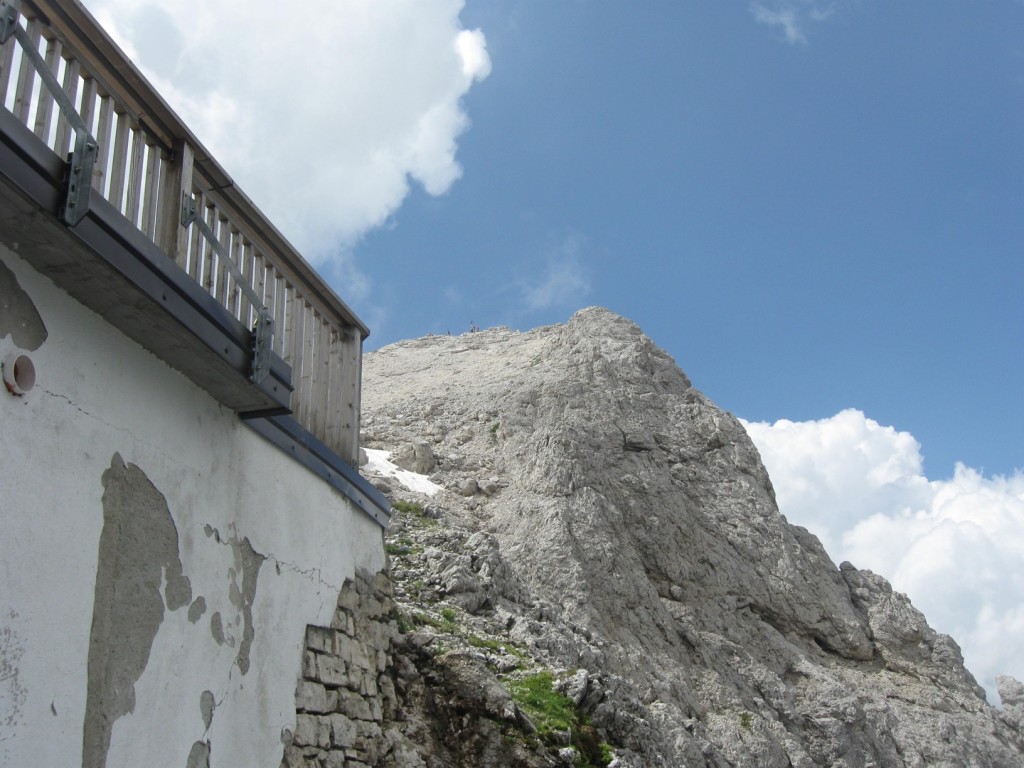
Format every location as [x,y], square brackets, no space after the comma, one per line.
[495,427]
[553,712]
[746,721]
[407,507]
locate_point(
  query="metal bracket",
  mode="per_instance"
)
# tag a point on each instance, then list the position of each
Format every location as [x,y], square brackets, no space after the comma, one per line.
[262,344]
[83,157]
[8,20]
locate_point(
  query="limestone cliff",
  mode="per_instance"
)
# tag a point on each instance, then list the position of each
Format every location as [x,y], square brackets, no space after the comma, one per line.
[599,517]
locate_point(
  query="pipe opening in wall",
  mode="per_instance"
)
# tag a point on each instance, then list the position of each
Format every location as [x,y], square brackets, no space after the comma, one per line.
[19,373]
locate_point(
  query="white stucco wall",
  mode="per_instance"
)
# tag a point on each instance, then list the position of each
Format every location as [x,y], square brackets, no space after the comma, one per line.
[99,394]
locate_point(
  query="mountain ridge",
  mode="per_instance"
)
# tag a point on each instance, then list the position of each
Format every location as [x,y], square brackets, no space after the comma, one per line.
[617,524]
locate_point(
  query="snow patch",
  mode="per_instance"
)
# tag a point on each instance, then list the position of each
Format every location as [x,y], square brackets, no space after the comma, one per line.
[379,462]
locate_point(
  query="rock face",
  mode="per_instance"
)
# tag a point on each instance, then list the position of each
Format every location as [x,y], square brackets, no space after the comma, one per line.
[602,518]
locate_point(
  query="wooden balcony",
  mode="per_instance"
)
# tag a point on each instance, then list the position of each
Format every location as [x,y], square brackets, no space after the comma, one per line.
[131,257]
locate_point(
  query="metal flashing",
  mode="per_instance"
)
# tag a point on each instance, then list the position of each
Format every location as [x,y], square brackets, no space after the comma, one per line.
[296,441]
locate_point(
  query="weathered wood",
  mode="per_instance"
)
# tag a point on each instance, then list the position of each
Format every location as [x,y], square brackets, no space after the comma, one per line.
[133,196]
[176,184]
[104,125]
[6,66]
[62,141]
[44,101]
[223,232]
[293,344]
[322,377]
[209,257]
[245,311]
[235,293]
[280,314]
[195,243]
[119,160]
[151,192]
[88,106]
[27,75]
[305,384]
[349,390]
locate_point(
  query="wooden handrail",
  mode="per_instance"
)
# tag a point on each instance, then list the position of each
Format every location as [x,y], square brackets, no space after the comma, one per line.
[148,162]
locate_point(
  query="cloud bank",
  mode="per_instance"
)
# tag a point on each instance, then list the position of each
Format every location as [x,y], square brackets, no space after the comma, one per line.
[324,114]
[954,545]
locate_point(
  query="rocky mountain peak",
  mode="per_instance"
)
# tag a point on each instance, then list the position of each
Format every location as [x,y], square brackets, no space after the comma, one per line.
[594,510]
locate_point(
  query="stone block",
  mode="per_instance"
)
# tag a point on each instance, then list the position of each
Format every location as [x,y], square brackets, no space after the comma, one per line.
[311,697]
[348,600]
[307,731]
[330,670]
[320,639]
[353,706]
[309,665]
[343,731]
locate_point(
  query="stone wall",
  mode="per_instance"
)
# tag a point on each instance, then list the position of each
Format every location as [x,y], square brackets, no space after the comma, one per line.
[346,691]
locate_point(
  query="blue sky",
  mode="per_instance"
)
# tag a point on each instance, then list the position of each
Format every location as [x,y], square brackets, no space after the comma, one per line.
[816,206]
[807,225]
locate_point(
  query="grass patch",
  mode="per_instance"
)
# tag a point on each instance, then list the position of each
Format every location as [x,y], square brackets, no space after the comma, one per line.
[746,721]
[554,712]
[407,507]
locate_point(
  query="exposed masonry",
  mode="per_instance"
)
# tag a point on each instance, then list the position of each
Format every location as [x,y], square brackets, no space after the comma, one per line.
[138,554]
[19,317]
[345,692]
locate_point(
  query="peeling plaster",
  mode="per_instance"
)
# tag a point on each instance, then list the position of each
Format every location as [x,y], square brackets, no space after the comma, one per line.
[18,315]
[217,628]
[197,609]
[207,704]
[138,553]
[199,756]
[248,561]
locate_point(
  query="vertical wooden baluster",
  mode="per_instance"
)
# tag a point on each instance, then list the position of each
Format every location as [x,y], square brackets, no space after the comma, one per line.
[323,384]
[210,258]
[270,297]
[44,104]
[287,337]
[245,312]
[104,124]
[195,240]
[62,141]
[6,66]
[223,237]
[308,364]
[279,314]
[88,108]
[119,160]
[132,206]
[235,294]
[26,76]
[298,344]
[151,192]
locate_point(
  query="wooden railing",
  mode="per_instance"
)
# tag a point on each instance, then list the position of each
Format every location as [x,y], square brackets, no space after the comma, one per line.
[147,161]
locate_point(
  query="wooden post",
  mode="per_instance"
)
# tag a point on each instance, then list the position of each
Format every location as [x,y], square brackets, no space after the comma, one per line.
[177,182]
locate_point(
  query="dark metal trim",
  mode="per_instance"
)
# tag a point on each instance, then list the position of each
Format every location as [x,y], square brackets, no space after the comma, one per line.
[292,438]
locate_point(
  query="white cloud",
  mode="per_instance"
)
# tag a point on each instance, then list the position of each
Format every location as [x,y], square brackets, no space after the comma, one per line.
[791,17]
[953,545]
[565,281]
[322,114]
